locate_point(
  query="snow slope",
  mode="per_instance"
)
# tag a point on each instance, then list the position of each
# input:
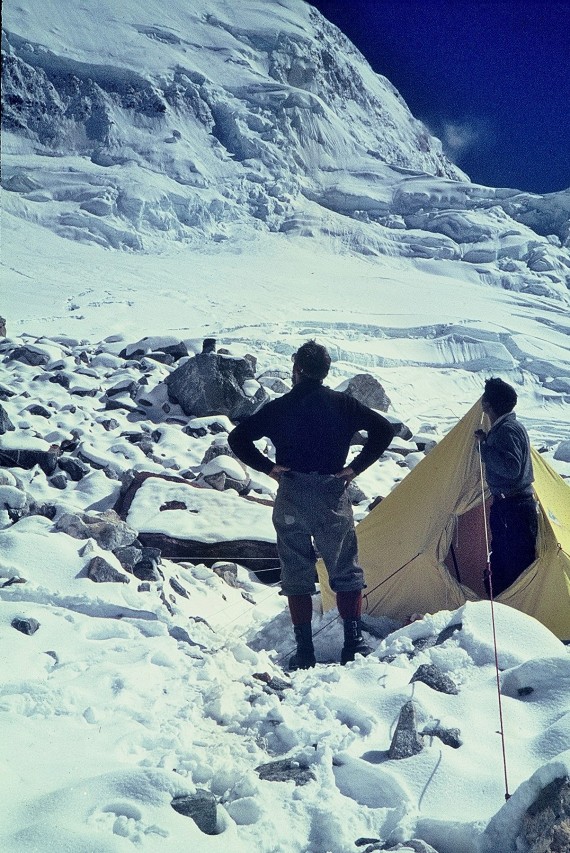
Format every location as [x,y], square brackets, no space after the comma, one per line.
[237,171]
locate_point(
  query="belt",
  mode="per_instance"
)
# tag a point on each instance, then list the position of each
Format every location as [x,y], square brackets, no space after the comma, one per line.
[515,496]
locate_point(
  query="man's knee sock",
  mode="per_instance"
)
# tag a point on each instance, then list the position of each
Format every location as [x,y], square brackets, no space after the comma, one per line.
[349,604]
[300,608]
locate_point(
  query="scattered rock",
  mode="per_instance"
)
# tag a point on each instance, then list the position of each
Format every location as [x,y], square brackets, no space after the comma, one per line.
[60,379]
[295,770]
[201,807]
[401,430]
[257,556]
[29,355]
[26,625]
[5,422]
[562,452]
[5,393]
[228,572]
[272,682]
[178,588]
[100,571]
[450,737]
[58,481]
[74,468]
[277,381]
[40,411]
[430,674]
[128,556]
[146,569]
[546,824]
[46,459]
[406,741]
[153,347]
[447,633]
[107,529]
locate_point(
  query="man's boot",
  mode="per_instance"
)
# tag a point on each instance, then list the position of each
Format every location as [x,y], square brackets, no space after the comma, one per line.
[304,657]
[353,641]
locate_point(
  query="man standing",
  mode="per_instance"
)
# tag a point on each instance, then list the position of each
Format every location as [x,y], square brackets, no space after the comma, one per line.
[505,451]
[311,428]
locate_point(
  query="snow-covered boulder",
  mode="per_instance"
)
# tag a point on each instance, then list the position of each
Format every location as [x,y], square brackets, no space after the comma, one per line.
[210,384]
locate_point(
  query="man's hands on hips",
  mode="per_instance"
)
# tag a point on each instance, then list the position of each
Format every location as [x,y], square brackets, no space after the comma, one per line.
[276,472]
[346,474]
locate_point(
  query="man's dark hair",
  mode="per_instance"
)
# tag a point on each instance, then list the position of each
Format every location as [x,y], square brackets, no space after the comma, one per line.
[501,396]
[312,360]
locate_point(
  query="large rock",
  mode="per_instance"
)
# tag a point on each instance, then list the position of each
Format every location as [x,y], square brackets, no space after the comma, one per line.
[546,825]
[27,625]
[258,556]
[46,459]
[214,384]
[5,422]
[295,770]
[107,529]
[431,675]
[201,807]
[367,390]
[562,453]
[29,355]
[100,571]
[406,741]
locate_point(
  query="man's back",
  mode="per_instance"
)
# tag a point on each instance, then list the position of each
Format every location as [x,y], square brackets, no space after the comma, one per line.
[311,428]
[506,453]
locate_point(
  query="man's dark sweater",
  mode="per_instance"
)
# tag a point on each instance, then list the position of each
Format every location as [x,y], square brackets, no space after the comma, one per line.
[311,428]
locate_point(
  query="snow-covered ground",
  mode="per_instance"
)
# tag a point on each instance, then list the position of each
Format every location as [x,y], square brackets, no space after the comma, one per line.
[283,193]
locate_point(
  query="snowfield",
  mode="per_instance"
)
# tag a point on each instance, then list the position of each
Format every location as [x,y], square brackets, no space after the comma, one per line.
[238,172]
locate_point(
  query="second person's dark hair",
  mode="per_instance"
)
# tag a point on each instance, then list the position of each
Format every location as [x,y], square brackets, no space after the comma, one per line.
[501,396]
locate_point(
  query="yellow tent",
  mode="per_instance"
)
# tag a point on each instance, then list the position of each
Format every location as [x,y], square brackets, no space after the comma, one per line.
[423,548]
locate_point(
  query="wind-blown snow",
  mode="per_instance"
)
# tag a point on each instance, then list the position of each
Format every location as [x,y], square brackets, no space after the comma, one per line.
[237,171]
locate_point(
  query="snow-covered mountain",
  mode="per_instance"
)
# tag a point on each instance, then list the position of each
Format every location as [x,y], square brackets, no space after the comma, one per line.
[203,121]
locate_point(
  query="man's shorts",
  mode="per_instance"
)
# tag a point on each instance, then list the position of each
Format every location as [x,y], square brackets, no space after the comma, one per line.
[315,508]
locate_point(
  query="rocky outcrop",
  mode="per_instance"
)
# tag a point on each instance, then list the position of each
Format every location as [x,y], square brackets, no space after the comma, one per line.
[46,459]
[100,571]
[214,384]
[367,390]
[107,529]
[546,824]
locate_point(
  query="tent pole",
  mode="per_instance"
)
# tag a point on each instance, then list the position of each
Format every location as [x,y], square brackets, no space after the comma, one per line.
[489,576]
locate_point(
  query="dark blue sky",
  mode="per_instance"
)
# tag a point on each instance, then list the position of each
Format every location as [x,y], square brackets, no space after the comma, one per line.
[490,78]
